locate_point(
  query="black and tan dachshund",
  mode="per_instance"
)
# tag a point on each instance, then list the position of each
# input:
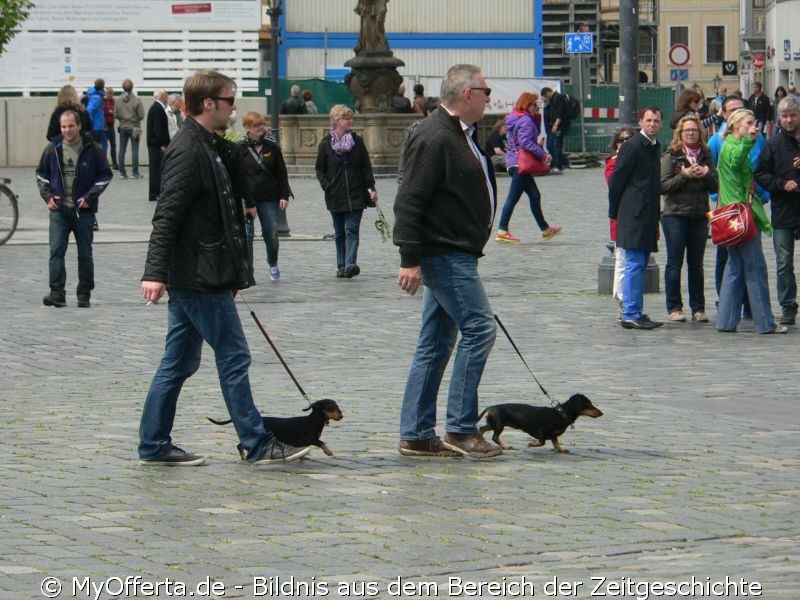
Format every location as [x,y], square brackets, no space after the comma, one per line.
[540,422]
[300,431]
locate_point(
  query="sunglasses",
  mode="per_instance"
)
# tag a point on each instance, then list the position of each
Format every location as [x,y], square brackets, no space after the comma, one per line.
[487,91]
[229,99]
[622,140]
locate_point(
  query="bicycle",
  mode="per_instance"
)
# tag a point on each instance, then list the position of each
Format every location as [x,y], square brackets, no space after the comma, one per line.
[9,213]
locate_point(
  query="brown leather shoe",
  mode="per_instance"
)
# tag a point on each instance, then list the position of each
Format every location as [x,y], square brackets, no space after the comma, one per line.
[471,444]
[428,447]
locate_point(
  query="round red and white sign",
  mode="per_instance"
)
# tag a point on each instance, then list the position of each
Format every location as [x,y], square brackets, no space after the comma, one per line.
[759,61]
[679,55]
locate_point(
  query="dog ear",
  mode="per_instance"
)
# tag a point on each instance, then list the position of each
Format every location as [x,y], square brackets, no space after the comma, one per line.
[307,408]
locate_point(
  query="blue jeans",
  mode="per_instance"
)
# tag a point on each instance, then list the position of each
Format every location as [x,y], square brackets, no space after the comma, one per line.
[453,300]
[62,221]
[783,242]
[124,136]
[746,265]
[346,227]
[719,272]
[555,147]
[633,283]
[194,317]
[519,184]
[268,217]
[685,236]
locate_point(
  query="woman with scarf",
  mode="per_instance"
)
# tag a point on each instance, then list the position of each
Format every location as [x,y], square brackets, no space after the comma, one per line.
[746,264]
[522,131]
[345,173]
[688,176]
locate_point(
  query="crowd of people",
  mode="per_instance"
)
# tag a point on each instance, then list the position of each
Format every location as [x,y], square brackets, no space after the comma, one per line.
[443,219]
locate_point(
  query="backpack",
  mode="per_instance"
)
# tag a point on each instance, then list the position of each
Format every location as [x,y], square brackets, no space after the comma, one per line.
[573,107]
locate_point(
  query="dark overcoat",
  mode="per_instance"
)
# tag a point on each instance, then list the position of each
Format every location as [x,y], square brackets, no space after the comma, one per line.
[634,194]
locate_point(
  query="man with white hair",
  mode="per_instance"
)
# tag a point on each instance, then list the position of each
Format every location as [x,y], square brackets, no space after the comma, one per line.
[294,104]
[157,139]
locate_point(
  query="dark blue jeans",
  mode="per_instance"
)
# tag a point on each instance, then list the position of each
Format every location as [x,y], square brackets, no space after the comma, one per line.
[195,317]
[719,272]
[62,222]
[687,237]
[268,217]
[555,147]
[112,142]
[346,228]
[783,242]
[519,184]
[453,301]
[126,135]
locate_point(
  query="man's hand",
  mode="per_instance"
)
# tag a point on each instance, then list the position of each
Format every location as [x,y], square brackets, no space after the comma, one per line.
[410,279]
[82,203]
[283,203]
[153,290]
[251,213]
[790,186]
[52,203]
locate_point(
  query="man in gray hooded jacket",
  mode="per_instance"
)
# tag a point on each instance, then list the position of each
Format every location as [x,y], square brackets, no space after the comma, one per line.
[130,113]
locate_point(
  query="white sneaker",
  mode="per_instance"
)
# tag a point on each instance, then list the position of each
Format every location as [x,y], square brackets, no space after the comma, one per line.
[275,273]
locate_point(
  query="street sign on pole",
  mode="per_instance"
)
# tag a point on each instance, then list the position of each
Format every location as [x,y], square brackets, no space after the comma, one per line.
[679,74]
[679,55]
[579,43]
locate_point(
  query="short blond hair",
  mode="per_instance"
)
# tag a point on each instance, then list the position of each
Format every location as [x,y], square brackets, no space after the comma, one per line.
[253,119]
[340,110]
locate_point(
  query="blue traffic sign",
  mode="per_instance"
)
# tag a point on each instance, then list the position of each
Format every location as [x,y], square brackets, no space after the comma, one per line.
[678,74]
[579,43]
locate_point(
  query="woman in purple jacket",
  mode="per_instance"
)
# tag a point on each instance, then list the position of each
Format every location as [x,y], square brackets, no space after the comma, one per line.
[523,132]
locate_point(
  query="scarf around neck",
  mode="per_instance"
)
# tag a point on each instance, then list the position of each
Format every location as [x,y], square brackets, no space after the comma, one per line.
[342,144]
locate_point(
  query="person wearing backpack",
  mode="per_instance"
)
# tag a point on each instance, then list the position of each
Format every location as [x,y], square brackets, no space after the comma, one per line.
[556,122]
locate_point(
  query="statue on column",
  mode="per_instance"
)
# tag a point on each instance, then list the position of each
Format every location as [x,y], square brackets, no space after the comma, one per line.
[373,33]
[373,77]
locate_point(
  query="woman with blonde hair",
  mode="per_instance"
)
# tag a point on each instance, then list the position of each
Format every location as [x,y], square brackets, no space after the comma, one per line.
[345,173]
[522,132]
[68,99]
[746,264]
[688,176]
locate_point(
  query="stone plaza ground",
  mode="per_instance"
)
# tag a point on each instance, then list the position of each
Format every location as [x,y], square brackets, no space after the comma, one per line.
[691,479]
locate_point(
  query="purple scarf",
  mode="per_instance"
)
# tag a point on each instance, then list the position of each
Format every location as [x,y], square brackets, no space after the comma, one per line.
[343,144]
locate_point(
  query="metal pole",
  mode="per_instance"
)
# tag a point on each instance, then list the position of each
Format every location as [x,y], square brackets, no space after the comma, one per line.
[629,62]
[275,10]
[582,97]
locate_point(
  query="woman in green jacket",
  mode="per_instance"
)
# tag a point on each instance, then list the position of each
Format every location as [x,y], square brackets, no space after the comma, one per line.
[746,264]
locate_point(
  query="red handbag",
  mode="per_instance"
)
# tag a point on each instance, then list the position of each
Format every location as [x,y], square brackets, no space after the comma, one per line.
[528,164]
[733,224]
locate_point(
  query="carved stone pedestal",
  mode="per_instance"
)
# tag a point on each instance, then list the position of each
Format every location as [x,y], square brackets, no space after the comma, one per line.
[373,80]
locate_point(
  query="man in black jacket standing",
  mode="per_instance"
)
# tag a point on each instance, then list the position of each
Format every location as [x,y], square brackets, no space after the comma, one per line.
[198,253]
[634,199]
[556,125]
[778,172]
[760,105]
[157,140]
[443,218]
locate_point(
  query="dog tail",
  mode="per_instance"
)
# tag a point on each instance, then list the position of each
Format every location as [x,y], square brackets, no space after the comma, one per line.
[480,416]
[215,422]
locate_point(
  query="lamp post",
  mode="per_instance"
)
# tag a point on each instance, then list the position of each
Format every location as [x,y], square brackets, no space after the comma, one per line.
[275,10]
[717,81]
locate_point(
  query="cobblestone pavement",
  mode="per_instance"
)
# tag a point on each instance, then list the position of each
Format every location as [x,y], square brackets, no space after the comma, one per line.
[690,475]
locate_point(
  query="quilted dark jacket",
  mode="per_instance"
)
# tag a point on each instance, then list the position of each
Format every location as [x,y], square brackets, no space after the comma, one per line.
[198,240]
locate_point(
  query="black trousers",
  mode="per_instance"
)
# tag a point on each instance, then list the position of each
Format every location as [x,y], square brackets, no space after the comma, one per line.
[155,156]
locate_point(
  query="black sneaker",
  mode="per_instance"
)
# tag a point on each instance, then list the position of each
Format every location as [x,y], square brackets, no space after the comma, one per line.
[352,271]
[274,451]
[789,316]
[175,457]
[53,300]
[83,302]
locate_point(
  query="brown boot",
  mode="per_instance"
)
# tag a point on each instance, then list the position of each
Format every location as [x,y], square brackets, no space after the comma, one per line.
[471,444]
[429,447]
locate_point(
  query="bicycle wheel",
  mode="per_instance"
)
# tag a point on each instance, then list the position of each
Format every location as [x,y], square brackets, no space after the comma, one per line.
[9,214]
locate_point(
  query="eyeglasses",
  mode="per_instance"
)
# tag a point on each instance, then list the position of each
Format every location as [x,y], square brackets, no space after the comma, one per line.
[690,131]
[487,91]
[229,99]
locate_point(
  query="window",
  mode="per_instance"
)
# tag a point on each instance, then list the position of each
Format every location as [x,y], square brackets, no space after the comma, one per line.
[678,35]
[715,43]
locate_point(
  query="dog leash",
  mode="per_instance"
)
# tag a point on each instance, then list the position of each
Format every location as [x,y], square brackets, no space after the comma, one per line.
[275,349]
[555,404]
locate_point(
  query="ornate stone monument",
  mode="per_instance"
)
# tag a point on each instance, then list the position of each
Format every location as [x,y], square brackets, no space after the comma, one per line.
[373,77]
